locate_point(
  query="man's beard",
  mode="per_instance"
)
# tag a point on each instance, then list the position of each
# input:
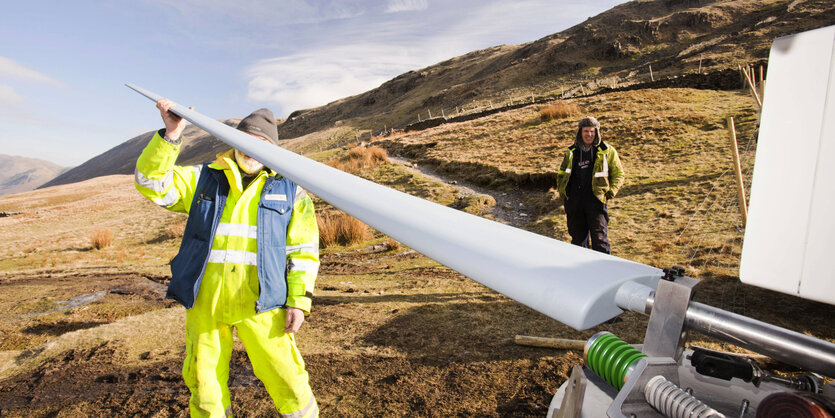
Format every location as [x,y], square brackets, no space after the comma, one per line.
[247,164]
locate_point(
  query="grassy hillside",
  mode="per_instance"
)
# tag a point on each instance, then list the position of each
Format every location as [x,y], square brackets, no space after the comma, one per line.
[86,331]
[673,143]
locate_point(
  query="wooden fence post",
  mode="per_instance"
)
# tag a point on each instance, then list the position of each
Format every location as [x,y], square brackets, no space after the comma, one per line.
[740,187]
[752,87]
[762,84]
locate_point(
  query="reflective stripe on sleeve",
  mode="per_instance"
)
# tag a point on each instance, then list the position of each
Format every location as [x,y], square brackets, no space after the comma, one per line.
[158,186]
[605,172]
[235,257]
[197,170]
[307,266]
[308,246]
[237,230]
[300,193]
[170,198]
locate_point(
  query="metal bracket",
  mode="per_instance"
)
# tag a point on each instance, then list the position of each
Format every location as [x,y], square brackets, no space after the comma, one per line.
[583,395]
[665,330]
[630,401]
[572,402]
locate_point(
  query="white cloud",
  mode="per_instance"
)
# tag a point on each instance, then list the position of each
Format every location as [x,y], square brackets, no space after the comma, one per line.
[351,56]
[317,77]
[268,13]
[395,6]
[11,69]
[9,97]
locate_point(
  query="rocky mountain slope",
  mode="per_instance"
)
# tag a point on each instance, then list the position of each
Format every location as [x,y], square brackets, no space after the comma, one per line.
[21,174]
[615,48]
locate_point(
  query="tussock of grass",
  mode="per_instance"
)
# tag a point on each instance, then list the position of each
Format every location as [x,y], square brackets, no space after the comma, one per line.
[558,110]
[359,158]
[477,204]
[392,244]
[341,229]
[101,238]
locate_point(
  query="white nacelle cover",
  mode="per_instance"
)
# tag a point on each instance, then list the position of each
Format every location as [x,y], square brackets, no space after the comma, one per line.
[791,220]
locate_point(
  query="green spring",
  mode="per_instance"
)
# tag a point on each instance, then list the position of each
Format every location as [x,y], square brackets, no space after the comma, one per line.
[610,357]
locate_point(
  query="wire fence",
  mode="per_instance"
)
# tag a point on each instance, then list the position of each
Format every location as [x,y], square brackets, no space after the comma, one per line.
[712,237]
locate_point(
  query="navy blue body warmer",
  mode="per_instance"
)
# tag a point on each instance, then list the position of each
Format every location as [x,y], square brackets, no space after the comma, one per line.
[188,266]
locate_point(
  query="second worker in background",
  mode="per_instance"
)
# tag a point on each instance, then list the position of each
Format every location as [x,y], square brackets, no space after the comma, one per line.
[590,175]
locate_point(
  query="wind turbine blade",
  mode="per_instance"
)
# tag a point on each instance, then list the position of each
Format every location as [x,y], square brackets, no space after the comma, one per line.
[573,285]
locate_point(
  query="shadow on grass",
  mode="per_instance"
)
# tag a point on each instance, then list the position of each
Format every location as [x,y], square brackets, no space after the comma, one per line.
[467,331]
[397,298]
[163,237]
[60,328]
[649,187]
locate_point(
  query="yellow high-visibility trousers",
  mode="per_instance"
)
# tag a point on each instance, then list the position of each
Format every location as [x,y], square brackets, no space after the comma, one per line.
[275,360]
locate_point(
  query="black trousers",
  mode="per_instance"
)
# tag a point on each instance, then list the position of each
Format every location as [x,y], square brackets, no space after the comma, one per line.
[588,220]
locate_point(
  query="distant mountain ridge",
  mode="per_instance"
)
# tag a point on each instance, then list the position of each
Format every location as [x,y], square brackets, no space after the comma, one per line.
[21,174]
[198,147]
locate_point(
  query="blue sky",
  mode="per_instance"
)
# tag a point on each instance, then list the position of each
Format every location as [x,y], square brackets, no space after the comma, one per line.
[63,64]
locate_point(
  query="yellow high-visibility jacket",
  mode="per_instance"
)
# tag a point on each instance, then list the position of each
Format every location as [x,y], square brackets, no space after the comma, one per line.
[608,172]
[229,288]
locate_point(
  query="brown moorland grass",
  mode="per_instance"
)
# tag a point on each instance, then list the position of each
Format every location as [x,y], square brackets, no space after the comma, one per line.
[359,158]
[558,110]
[339,228]
[391,243]
[672,142]
[101,238]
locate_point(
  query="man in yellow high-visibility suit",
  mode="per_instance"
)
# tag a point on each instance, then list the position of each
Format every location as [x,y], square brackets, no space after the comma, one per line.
[248,260]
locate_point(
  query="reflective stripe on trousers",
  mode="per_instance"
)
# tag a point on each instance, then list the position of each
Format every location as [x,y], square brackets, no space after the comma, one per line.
[311,410]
